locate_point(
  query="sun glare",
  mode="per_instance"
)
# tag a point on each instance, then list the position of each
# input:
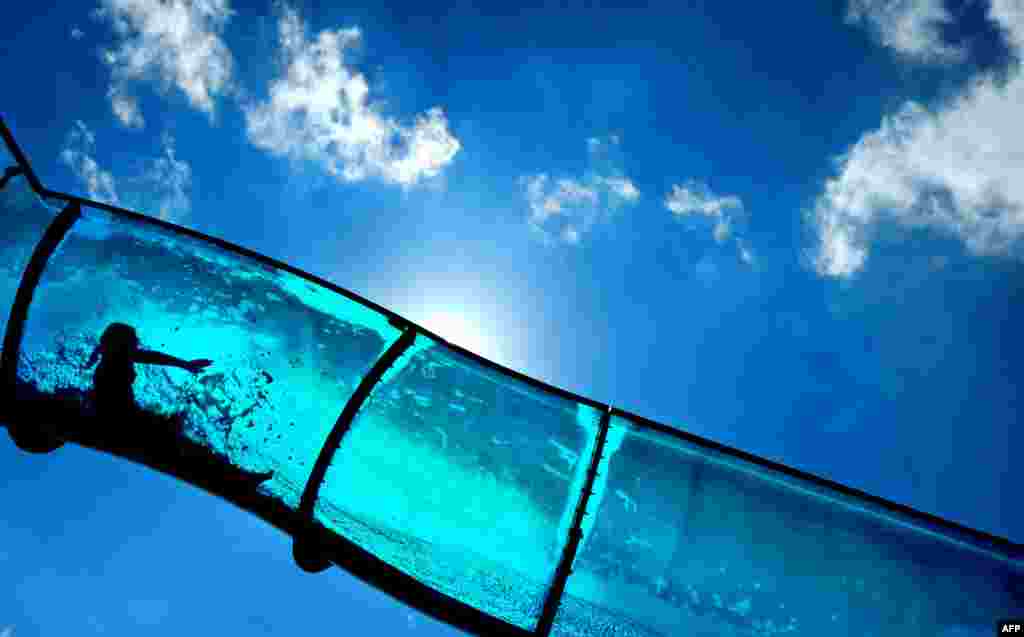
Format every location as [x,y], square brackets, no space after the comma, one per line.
[462,330]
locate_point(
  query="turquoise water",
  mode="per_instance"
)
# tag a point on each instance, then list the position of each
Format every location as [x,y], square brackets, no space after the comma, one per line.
[25,218]
[286,359]
[482,470]
[685,538]
[465,478]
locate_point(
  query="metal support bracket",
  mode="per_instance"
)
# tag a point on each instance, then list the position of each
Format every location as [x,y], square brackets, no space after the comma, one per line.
[305,552]
[10,172]
[30,437]
[554,597]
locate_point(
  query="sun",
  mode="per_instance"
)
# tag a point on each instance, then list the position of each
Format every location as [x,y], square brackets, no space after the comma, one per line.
[460,328]
[464,311]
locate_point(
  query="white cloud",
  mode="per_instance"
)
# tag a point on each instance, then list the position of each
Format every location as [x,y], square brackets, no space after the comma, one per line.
[565,209]
[126,108]
[76,33]
[77,155]
[161,188]
[695,198]
[164,185]
[560,209]
[319,109]
[176,43]
[913,28]
[954,169]
[621,187]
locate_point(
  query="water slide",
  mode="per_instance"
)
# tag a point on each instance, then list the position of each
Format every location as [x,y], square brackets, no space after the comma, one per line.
[485,498]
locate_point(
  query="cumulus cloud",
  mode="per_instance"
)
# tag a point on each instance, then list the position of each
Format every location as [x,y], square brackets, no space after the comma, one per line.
[913,28]
[175,43]
[162,187]
[564,209]
[319,109]
[76,33]
[77,155]
[954,169]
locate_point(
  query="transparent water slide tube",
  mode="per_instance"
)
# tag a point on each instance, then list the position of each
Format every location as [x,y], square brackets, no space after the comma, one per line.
[24,218]
[286,354]
[463,478]
[455,486]
[689,540]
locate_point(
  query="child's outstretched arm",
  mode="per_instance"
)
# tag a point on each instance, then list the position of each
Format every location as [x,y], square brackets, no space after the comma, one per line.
[150,357]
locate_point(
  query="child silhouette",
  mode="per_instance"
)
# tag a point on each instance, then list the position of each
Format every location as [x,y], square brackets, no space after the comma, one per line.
[114,376]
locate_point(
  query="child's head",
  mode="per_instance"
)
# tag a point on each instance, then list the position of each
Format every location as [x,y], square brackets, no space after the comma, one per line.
[118,338]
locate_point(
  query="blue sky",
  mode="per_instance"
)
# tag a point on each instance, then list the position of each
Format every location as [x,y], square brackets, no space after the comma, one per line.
[793,229]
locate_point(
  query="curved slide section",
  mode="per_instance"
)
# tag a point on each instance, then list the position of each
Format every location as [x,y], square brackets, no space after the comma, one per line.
[487,499]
